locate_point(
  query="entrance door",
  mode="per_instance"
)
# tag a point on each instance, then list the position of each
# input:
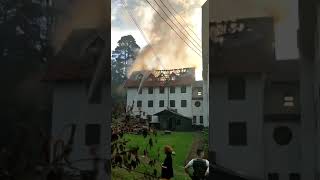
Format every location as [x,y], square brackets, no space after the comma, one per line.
[170,124]
[282,147]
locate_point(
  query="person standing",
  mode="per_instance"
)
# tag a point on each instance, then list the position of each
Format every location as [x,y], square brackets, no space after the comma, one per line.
[200,166]
[166,168]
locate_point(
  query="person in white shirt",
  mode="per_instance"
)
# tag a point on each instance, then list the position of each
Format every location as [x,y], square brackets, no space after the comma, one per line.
[200,166]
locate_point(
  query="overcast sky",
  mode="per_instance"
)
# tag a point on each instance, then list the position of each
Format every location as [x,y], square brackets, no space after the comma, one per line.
[122,25]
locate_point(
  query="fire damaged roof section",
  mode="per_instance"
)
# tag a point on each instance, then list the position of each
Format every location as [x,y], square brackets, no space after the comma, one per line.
[77,59]
[250,50]
[172,77]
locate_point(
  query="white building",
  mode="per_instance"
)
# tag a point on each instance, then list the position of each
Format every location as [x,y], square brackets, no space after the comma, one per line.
[264,121]
[176,90]
[79,116]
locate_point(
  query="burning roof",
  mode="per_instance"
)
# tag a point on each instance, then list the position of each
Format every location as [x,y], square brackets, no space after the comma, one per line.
[156,78]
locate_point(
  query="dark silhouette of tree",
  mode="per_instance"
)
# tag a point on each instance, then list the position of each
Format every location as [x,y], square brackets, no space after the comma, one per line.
[24,49]
[126,50]
[124,55]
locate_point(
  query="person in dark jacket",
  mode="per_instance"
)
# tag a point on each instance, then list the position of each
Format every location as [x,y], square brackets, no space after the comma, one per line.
[200,166]
[167,170]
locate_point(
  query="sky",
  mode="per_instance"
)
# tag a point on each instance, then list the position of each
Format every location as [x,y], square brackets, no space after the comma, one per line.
[168,51]
[122,26]
[285,13]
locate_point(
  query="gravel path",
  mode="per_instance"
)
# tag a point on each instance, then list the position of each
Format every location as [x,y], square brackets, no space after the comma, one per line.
[198,142]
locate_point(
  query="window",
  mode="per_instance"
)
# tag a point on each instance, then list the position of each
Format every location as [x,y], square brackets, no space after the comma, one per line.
[150,90]
[92,134]
[199,93]
[197,104]
[139,103]
[237,134]
[149,118]
[194,119]
[273,176]
[183,103]
[161,103]
[294,176]
[183,89]
[178,122]
[140,76]
[282,135]
[201,119]
[172,103]
[288,100]
[161,90]
[236,89]
[150,103]
[172,90]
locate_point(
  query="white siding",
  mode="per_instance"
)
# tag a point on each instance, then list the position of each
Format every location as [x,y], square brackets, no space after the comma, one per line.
[198,111]
[70,105]
[132,95]
[250,111]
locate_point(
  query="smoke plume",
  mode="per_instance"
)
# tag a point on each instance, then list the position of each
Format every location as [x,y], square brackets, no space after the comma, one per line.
[166,49]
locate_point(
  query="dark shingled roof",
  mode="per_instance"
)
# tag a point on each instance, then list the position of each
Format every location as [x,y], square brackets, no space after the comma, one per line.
[197,84]
[171,112]
[153,81]
[73,62]
[284,71]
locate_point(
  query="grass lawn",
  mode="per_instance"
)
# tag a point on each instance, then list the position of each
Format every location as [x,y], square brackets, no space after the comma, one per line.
[181,143]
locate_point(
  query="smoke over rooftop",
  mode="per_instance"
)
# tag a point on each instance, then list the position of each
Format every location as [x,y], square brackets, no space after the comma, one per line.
[171,50]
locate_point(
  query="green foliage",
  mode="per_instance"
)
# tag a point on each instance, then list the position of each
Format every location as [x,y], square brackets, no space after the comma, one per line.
[128,157]
[127,49]
[180,141]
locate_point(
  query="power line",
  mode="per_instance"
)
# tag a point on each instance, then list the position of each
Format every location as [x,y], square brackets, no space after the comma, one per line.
[166,7]
[173,28]
[183,19]
[198,48]
[141,31]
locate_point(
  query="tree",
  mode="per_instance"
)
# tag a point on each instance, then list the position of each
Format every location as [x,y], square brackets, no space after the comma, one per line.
[24,47]
[126,52]
[122,57]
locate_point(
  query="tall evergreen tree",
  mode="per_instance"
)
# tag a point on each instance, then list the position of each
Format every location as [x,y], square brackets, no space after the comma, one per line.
[126,51]
[123,57]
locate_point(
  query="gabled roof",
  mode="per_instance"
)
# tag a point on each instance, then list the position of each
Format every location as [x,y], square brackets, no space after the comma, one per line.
[197,84]
[171,112]
[73,61]
[285,71]
[184,76]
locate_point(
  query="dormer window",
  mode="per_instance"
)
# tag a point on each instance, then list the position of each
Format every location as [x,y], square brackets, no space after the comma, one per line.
[151,77]
[173,77]
[140,76]
[162,77]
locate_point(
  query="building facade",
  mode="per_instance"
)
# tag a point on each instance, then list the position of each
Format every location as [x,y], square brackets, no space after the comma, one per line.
[79,116]
[149,93]
[263,112]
